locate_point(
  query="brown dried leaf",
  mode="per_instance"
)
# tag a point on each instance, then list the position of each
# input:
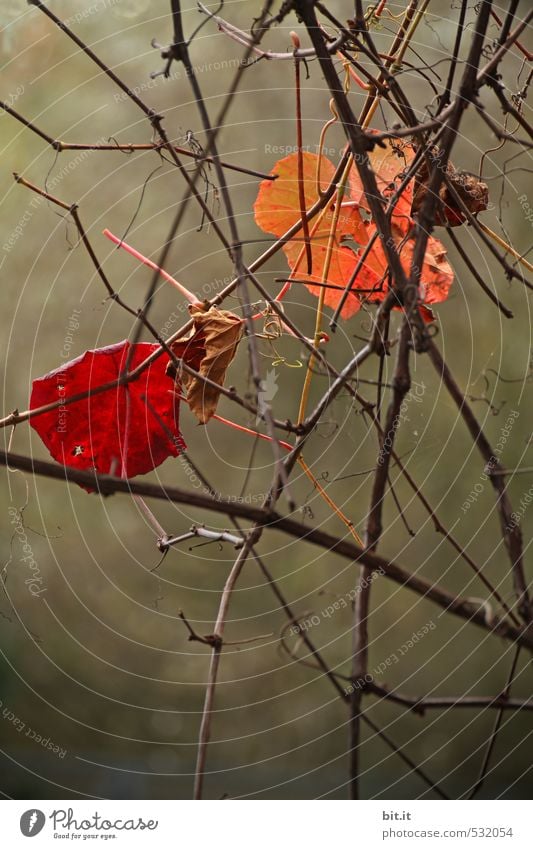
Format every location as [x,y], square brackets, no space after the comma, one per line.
[209,349]
[472,191]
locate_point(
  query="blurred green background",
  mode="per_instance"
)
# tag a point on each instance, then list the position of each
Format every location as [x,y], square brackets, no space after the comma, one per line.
[100,663]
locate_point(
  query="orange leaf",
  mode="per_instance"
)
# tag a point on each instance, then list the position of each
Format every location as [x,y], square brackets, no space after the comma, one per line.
[436,276]
[389,164]
[277,208]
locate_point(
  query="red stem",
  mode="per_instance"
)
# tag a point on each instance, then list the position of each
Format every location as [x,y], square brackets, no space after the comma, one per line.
[166,276]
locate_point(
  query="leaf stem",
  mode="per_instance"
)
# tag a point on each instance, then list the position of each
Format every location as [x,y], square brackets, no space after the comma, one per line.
[299,144]
[305,468]
[144,259]
[320,308]
[503,244]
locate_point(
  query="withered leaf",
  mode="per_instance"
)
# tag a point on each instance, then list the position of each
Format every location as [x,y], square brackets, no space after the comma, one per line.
[209,349]
[472,191]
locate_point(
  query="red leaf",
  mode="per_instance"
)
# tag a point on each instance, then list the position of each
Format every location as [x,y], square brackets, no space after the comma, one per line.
[95,433]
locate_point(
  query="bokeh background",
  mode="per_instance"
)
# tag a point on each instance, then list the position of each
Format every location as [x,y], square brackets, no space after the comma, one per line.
[100,664]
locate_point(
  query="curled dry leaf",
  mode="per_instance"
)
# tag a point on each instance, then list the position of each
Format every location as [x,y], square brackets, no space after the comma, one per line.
[209,349]
[127,430]
[472,191]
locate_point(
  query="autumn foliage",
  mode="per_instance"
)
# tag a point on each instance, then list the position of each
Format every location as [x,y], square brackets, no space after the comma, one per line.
[277,208]
[133,428]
